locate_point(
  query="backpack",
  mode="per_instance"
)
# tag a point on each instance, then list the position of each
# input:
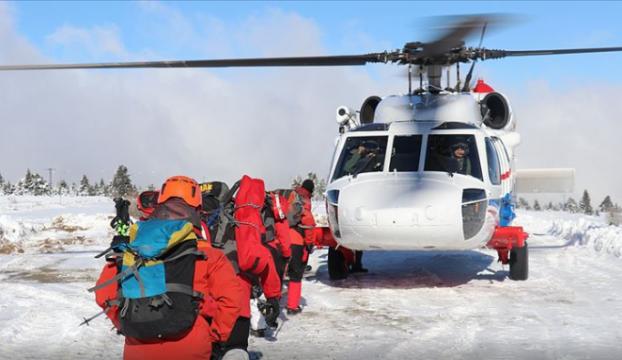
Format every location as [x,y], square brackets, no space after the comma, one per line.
[155,274]
[295,205]
[217,213]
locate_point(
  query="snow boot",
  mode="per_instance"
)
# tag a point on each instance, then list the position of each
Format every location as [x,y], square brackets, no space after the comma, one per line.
[358,269]
[258,333]
[295,311]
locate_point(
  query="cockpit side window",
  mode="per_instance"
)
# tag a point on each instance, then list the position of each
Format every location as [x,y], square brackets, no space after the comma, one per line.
[494,169]
[405,153]
[361,154]
[453,154]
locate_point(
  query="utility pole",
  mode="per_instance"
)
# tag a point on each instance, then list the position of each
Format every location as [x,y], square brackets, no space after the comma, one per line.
[50,171]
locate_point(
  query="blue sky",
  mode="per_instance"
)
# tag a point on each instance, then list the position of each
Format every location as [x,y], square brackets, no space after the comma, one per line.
[559,101]
[349,27]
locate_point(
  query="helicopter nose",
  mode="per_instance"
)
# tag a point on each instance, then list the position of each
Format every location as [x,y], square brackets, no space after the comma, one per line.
[401,215]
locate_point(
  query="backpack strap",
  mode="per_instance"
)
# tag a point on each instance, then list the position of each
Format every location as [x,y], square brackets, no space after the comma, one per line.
[184,289]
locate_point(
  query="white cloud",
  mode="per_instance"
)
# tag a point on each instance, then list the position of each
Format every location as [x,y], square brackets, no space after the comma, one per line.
[97,40]
[576,127]
[270,123]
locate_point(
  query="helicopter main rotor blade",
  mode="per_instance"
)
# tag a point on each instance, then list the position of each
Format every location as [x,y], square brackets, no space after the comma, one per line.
[462,28]
[342,60]
[494,54]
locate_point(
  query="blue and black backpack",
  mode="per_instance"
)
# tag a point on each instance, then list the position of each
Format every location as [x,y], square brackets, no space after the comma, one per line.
[156,298]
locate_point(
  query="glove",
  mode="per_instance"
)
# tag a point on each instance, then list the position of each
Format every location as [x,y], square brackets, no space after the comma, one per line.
[256,291]
[272,311]
[309,248]
[118,241]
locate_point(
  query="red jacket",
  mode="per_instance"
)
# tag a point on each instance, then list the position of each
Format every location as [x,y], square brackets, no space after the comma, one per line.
[215,278]
[253,257]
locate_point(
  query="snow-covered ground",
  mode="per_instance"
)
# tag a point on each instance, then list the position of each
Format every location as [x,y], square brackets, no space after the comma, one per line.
[457,305]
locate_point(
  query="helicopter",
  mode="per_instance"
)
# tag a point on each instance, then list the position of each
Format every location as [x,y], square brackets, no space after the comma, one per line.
[432,169]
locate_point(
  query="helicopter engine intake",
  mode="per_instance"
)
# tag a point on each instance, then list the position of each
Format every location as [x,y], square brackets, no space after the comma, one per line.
[496,112]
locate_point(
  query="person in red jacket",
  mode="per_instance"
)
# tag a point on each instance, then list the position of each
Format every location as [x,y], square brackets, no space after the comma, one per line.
[302,238]
[214,277]
[254,259]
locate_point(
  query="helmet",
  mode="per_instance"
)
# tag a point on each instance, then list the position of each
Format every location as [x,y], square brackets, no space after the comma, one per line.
[460,145]
[147,201]
[181,187]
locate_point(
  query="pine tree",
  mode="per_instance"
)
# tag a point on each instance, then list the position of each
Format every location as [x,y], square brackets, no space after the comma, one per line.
[24,186]
[102,188]
[550,206]
[85,187]
[571,205]
[74,189]
[1,185]
[121,183]
[39,186]
[523,204]
[606,205]
[8,188]
[585,204]
[63,188]
[536,206]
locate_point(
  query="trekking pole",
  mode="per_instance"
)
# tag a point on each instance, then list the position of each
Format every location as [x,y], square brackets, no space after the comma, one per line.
[88,320]
[279,329]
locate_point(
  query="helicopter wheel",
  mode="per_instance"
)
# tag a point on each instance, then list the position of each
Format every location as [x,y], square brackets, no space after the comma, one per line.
[519,263]
[337,267]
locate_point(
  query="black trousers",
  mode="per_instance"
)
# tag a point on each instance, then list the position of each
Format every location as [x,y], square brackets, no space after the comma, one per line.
[297,264]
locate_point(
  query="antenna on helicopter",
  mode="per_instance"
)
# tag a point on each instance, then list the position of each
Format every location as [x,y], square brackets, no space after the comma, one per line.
[467,80]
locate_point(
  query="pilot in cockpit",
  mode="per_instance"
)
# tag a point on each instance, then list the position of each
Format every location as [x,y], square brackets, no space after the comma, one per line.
[361,158]
[460,152]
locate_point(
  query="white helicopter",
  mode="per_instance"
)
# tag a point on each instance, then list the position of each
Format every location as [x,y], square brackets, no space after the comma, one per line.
[429,170]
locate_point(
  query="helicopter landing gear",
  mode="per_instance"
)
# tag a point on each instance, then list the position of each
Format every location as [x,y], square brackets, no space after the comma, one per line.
[511,245]
[519,263]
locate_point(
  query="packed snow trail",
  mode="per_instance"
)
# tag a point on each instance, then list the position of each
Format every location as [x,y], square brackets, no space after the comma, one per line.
[455,305]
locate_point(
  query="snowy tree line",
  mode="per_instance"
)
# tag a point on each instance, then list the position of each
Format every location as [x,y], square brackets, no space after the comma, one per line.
[34,184]
[583,206]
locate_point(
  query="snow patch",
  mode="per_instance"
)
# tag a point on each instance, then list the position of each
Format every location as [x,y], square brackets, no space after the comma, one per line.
[589,233]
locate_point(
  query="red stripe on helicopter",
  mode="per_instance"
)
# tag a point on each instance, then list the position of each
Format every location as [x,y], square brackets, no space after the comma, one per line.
[506,175]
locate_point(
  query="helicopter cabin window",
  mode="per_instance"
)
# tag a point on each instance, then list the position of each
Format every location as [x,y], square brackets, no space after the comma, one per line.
[405,153]
[494,169]
[361,154]
[453,154]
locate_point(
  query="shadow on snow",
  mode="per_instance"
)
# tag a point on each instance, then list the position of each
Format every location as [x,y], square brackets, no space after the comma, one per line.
[416,269]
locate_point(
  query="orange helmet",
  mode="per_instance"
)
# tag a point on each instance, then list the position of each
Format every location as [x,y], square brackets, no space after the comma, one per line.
[181,187]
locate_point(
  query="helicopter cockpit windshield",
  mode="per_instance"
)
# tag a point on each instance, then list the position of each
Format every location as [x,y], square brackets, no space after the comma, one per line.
[453,154]
[361,154]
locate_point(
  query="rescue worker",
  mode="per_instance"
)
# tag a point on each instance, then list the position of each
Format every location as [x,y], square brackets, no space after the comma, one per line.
[244,248]
[302,238]
[276,240]
[214,278]
[357,267]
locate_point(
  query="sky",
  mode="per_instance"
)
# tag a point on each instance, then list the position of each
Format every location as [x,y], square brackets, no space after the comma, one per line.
[279,123]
